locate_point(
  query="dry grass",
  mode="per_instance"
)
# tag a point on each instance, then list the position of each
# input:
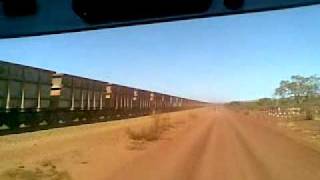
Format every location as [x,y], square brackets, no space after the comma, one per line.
[150,132]
[47,171]
[246,113]
[310,115]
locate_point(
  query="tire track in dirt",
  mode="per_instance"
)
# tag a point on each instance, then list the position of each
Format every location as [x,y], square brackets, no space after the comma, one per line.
[280,157]
[176,159]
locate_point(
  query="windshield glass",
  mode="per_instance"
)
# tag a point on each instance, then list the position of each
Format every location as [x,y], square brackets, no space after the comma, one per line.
[235,97]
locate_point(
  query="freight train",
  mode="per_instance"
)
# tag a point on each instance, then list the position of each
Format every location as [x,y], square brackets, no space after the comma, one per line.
[34,97]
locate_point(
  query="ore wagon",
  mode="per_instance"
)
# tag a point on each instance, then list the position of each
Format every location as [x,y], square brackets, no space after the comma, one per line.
[75,99]
[24,94]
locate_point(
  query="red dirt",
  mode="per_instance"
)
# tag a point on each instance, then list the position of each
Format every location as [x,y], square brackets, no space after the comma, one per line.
[204,144]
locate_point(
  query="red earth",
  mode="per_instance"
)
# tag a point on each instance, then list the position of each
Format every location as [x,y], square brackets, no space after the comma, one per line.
[200,144]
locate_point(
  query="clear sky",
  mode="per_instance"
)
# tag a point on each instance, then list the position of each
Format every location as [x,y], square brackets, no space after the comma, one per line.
[217,59]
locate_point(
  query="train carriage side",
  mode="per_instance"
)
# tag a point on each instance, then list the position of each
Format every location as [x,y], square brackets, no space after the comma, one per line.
[126,101]
[117,95]
[139,102]
[129,101]
[135,109]
[75,99]
[159,102]
[144,102]
[115,100]
[152,102]
[24,95]
[110,100]
[174,103]
[166,103]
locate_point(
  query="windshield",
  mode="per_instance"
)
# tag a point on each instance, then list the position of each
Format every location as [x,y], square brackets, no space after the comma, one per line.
[234,97]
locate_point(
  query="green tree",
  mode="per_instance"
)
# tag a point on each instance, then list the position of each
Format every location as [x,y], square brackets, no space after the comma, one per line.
[299,88]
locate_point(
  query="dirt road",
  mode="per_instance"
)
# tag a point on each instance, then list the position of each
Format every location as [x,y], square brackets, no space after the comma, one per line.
[207,144]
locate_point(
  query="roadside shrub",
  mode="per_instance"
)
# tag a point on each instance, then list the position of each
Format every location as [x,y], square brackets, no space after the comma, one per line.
[246,113]
[310,115]
[152,131]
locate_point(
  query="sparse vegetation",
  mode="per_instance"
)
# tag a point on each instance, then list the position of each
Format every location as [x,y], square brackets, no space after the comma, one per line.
[299,88]
[309,115]
[46,171]
[246,113]
[299,92]
[150,132]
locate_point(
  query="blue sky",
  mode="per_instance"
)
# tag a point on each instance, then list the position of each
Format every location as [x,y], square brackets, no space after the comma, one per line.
[237,57]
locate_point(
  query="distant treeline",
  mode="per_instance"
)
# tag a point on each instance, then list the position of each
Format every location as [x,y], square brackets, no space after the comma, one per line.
[265,103]
[299,91]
